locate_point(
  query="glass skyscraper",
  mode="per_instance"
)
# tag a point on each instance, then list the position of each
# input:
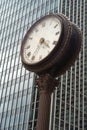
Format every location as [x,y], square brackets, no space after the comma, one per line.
[18,92]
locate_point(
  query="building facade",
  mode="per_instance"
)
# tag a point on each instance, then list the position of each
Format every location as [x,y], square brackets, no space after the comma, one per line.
[18,92]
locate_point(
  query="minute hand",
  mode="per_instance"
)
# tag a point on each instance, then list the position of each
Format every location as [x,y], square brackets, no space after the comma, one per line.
[47,44]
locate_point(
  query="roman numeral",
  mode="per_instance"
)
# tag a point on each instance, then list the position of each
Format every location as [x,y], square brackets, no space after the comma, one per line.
[55,25]
[30,38]
[27,47]
[28,54]
[54,42]
[33,57]
[57,33]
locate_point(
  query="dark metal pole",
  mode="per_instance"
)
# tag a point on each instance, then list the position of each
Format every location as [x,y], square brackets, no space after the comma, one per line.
[46,85]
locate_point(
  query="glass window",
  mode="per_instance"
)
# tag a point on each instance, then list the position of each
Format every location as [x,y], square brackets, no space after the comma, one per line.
[8,91]
[9,105]
[4,114]
[6,78]
[19,72]
[16,87]
[8,113]
[16,119]
[2,80]
[14,103]
[25,127]
[1,107]
[22,109]
[3,122]
[51,6]
[8,65]
[28,99]
[7,53]
[25,84]
[12,120]
[23,100]
[3,56]
[12,89]
[23,71]
[26,20]
[12,62]
[15,128]
[20,127]
[21,118]
[7,122]
[21,86]
[36,113]
[31,115]
[5,106]
[10,76]
[24,92]
[19,102]
[26,116]
[4,91]
[14,75]
[30,82]
[0,120]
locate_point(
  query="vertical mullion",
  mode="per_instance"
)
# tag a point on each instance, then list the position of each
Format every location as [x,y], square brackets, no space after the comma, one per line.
[79,77]
[29,13]
[73,10]
[61,6]
[51,114]
[26,100]
[45,8]
[40,8]
[36,10]
[49,7]
[32,15]
[75,95]
[69,7]
[54,109]
[80,84]
[60,102]
[65,101]
[66,7]
[75,76]
[58,6]
[78,74]
[34,109]
[53,6]
[44,3]
[70,98]
[83,77]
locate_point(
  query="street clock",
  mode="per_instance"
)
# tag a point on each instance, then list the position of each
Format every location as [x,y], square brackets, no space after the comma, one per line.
[51,45]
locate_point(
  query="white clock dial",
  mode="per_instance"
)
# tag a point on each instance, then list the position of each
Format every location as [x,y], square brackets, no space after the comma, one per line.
[41,39]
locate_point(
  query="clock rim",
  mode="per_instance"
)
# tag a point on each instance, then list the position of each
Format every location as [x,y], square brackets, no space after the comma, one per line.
[44,66]
[53,50]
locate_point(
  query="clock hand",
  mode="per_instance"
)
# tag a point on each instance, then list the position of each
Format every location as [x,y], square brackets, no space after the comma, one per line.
[42,41]
[46,44]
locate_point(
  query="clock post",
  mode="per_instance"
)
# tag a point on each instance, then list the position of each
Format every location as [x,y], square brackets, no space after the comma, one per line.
[49,53]
[46,85]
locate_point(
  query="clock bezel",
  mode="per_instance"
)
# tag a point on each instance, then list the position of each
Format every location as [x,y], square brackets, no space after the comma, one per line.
[54,49]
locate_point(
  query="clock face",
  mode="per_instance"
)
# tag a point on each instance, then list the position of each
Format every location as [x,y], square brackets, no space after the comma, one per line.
[41,39]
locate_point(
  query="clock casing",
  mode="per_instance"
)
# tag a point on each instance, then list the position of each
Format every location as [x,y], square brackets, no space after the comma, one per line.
[62,55]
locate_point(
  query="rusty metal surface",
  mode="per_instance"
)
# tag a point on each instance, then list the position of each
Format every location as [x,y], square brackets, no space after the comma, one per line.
[47,83]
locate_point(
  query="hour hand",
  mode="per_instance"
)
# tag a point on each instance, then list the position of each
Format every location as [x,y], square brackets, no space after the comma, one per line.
[42,41]
[46,44]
